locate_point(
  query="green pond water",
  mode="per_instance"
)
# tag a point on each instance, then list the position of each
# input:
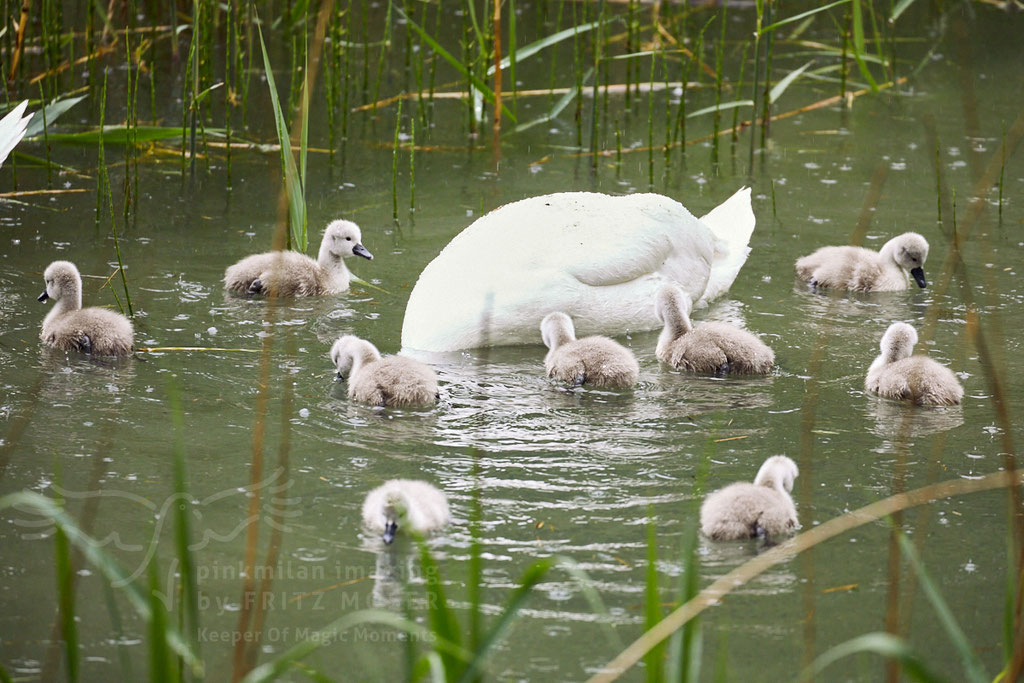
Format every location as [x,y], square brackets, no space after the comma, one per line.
[574,474]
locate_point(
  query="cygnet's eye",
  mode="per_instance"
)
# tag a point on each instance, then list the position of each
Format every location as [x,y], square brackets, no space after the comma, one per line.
[349,239]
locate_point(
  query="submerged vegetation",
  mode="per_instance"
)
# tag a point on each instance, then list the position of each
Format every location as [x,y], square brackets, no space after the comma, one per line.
[397,74]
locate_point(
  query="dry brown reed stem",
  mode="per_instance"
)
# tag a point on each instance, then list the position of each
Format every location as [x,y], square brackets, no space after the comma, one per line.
[278,503]
[64,66]
[497,73]
[19,44]
[827,102]
[809,413]
[785,551]
[240,664]
[29,193]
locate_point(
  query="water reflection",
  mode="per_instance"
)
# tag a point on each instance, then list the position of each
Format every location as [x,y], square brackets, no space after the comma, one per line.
[900,420]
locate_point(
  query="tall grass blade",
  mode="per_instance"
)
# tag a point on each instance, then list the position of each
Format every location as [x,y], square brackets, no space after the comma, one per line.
[477,83]
[803,15]
[442,619]
[531,577]
[721,107]
[561,104]
[104,563]
[972,665]
[787,80]
[160,661]
[859,49]
[182,534]
[901,7]
[884,644]
[527,51]
[66,601]
[652,611]
[292,181]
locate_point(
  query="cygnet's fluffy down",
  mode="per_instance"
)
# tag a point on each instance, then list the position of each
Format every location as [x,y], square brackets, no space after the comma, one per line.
[291,274]
[864,270]
[393,381]
[764,508]
[897,374]
[596,361]
[405,503]
[70,327]
[711,347]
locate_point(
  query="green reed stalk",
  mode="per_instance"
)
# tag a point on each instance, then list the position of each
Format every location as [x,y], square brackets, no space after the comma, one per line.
[476,565]
[618,147]
[66,602]
[160,662]
[757,76]
[407,60]
[105,181]
[512,39]
[412,164]
[1003,167]
[719,59]
[366,55]
[49,168]
[654,659]
[630,48]
[421,109]
[554,60]
[668,114]
[766,103]
[736,110]
[182,534]
[229,87]
[346,70]
[938,180]
[775,214]
[650,126]
[394,164]
[433,57]
[385,43]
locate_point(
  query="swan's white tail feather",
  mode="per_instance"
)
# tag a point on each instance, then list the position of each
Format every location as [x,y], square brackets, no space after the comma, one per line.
[732,223]
[12,129]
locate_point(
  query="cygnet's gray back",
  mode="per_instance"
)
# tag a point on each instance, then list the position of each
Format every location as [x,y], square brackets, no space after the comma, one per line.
[865,270]
[744,510]
[69,327]
[897,374]
[711,348]
[595,361]
[394,381]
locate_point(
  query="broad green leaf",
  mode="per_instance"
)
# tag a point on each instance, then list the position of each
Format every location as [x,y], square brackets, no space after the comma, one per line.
[798,17]
[884,644]
[561,104]
[781,86]
[533,48]
[720,107]
[52,112]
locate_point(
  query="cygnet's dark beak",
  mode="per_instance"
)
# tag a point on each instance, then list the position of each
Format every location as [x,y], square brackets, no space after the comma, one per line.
[918,274]
[360,250]
[44,296]
[339,375]
[390,529]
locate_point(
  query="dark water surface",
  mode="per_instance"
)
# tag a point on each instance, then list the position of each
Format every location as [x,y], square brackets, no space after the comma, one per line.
[566,474]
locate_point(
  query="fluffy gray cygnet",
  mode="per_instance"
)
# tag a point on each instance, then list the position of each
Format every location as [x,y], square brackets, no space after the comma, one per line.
[864,270]
[393,381]
[70,327]
[897,374]
[764,508]
[291,274]
[711,347]
[595,361]
[408,503]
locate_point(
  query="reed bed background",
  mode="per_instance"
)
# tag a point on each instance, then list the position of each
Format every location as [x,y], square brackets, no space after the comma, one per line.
[418,78]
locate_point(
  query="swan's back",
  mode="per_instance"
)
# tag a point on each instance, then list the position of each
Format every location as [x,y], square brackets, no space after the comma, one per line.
[918,378]
[394,381]
[594,361]
[599,256]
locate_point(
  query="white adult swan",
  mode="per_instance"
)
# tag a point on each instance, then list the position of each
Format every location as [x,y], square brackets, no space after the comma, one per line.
[597,257]
[12,129]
